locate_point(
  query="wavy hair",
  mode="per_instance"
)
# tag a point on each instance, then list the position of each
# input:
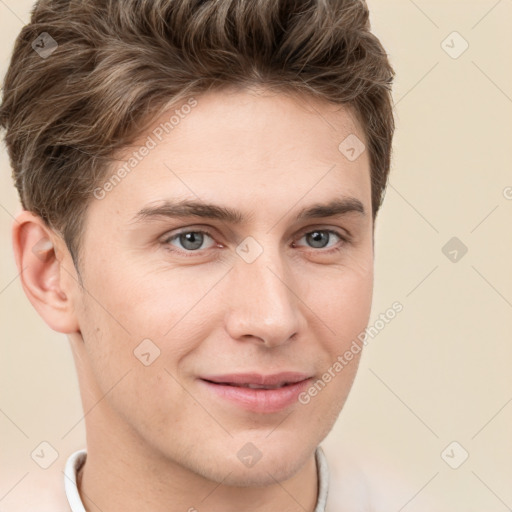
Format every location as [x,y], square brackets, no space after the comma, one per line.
[120,63]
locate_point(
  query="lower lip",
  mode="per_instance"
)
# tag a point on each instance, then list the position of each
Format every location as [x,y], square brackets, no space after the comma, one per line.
[259,400]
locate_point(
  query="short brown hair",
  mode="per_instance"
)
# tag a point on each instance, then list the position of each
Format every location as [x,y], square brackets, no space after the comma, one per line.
[120,62]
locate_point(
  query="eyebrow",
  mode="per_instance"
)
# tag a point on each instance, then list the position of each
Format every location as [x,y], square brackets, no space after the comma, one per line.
[193,208]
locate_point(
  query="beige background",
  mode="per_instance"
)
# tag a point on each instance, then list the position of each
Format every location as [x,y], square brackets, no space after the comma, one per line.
[440,371]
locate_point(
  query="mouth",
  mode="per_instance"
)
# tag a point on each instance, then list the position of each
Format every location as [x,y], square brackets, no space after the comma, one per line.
[257,392]
[250,386]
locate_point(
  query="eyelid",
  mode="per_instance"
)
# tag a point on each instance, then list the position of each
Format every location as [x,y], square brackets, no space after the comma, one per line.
[169,235]
[341,232]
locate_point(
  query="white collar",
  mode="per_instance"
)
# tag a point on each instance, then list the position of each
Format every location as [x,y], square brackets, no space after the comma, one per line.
[73,465]
[77,459]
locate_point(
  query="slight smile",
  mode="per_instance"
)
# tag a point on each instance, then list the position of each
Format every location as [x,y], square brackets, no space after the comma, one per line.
[257,392]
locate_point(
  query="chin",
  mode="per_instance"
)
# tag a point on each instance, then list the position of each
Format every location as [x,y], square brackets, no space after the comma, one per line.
[225,465]
[278,463]
[264,473]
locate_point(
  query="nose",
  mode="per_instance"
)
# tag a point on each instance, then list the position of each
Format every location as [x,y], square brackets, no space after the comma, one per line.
[264,307]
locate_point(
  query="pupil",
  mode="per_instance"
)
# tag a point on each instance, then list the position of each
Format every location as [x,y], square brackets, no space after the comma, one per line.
[317,236]
[192,237]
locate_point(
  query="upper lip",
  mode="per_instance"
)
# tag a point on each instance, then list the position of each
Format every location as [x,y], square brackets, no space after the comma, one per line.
[275,379]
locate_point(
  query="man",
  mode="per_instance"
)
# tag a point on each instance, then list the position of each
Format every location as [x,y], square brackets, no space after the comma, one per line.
[200,183]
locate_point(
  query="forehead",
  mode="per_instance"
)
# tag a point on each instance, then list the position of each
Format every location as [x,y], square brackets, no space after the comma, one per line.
[267,126]
[242,148]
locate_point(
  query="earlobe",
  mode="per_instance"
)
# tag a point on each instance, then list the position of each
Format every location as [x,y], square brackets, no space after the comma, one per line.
[46,271]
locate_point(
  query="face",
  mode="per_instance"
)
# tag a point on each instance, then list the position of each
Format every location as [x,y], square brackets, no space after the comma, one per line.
[263,296]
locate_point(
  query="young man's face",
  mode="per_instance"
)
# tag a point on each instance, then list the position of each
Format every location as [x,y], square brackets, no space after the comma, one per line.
[262,296]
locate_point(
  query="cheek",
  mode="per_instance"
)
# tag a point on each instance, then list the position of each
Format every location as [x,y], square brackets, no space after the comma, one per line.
[124,319]
[140,301]
[345,310]
[115,362]
[345,304]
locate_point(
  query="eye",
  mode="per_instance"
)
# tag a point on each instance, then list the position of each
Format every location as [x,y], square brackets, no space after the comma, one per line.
[190,241]
[193,241]
[320,237]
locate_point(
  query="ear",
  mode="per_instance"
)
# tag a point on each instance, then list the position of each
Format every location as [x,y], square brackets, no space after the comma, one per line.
[48,275]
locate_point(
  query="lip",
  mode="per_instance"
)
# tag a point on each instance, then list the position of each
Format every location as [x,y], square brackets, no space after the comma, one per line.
[229,387]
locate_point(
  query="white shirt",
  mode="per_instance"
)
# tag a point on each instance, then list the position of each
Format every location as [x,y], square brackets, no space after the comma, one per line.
[77,459]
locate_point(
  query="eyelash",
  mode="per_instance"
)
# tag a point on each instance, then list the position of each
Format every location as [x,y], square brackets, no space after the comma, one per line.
[344,238]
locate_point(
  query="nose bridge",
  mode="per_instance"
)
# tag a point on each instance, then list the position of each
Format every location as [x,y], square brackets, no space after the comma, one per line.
[263,305]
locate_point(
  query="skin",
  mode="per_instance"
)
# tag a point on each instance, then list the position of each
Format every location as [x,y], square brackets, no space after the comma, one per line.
[155,436]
